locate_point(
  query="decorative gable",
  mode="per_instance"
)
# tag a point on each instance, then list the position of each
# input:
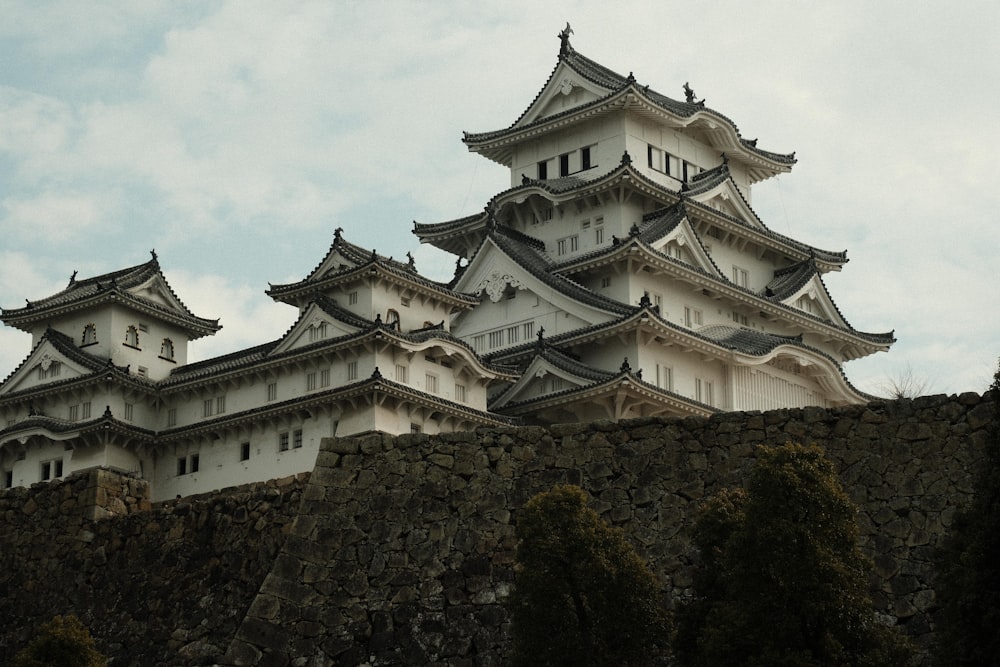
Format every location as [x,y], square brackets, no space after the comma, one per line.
[45,365]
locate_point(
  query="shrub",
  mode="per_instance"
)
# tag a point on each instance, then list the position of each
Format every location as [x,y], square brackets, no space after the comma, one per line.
[62,642]
[781,580]
[582,595]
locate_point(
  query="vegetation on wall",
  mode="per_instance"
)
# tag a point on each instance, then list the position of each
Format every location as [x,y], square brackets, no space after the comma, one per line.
[582,595]
[781,580]
[968,587]
[62,642]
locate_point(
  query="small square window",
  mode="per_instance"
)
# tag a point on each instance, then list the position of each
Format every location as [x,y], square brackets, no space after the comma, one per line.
[46,471]
[272,391]
[324,378]
[245,451]
[283,442]
[310,381]
[297,439]
[129,409]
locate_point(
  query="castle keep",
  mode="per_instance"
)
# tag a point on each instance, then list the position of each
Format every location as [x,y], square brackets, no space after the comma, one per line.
[623,274]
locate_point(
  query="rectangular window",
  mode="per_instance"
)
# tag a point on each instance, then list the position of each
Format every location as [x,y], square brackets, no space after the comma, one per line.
[324,377]
[57,468]
[220,404]
[431,383]
[460,393]
[664,377]
[543,170]
[194,463]
[402,373]
[85,411]
[283,442]
[741,277]
[352,370]
[352,299]
[564,164]
[74,413]
[692,317]
[703,391]
[46,473]
[8,479]
[561,247]
[272,391]
[245,451]
[606,281]
[599,235]
[310,381]
[585,158]
[414,428]
[172,417]
[128,411]
[297,439]
[143,371]
[206,408]
[574,243]
[182,466]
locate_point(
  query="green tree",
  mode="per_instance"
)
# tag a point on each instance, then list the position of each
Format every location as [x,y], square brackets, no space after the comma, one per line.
[62,642]
[582,595]
[968,587]
[781,581]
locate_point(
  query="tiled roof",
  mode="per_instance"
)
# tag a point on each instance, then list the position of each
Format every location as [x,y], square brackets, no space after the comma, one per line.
[541,267]
[615,83]
[99,368]
[363,260]
[789,280]
[56,425]
[374,383]
[106,286]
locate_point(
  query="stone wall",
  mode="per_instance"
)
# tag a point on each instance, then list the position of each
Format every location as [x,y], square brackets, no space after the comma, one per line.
[402,552]
[156,584]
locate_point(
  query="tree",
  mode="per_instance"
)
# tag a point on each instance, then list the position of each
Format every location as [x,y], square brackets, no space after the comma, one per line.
[62,642]
[781,580]
[582,596]
[968,586]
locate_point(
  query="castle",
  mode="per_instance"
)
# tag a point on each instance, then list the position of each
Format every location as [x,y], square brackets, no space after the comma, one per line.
[623,274]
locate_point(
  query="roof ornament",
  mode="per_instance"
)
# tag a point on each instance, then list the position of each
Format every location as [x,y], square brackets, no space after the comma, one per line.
[378,319]
[633,230]
[626,159]
[410,262]
[541,335]
[376,374]
[72,279]
[725,160]
[27,303]
[337,234]
[688,93]
[645,302]
[374,255]
[564,45]
[491,219]
[631,78]
[689,96]
[107,410]
[625,368]
[524,179]
[153,254]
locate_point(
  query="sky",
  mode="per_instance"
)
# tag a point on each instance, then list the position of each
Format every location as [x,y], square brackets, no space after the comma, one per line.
[234,137]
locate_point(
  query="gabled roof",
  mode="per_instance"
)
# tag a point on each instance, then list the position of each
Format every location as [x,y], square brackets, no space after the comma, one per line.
[371,386]
[619,92]
[86,367]
[456,236]
[345,262]
[540,268]
[142,287]
[279,351]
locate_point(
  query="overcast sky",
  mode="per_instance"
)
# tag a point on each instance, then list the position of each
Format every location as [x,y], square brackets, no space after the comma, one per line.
[233,137]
